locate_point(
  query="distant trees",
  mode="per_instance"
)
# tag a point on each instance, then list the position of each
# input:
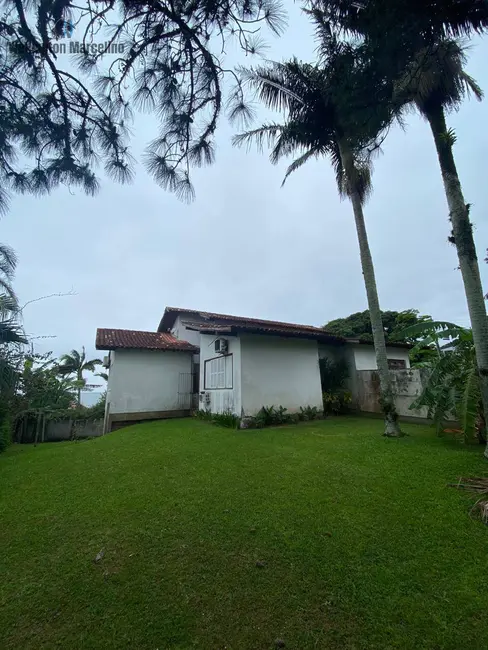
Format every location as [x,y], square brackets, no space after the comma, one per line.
[358,326]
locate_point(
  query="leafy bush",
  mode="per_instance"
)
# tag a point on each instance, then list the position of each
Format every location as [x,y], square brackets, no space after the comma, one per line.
[337,403]
[226,419]
[333,375]
[309,413]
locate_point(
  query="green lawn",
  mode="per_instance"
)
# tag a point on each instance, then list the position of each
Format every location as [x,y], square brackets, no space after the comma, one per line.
[363,544]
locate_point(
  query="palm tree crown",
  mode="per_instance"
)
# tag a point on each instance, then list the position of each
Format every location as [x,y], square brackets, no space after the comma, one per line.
[76,363]
[435,78]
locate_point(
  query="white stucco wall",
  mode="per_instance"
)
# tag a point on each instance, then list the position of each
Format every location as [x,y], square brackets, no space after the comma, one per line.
[280,372]
[183,333]
[145,380]
[365,358]
[221,399]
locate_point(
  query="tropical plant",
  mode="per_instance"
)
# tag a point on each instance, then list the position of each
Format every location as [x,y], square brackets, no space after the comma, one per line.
[76,363]
[333,374]
[324,117]
[453,387]
[436,82]
[309,413]
[336,402]
[413,46]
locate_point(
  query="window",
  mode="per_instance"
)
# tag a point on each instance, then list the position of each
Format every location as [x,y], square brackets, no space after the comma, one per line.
[218,372]
[397,364]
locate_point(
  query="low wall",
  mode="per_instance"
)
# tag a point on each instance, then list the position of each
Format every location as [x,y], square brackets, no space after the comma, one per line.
[407,385]
[57,430]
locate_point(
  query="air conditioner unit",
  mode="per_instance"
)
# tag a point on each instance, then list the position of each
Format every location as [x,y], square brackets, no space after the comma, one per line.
[221,346]
[106,362]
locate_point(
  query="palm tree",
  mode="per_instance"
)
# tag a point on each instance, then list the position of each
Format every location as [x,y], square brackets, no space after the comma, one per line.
[435,82]
[75,363]
[321,120]
[412,42]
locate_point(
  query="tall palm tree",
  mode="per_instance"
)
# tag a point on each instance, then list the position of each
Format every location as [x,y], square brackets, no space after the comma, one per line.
[321,120]
[435,82]
[412,42]
[76,363]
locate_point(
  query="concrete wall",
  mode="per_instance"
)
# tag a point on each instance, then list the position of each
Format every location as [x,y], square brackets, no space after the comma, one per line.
[220,399]
[365,357]
[57,430]
[183,333]
[407,385]
[280,372]
[145,380]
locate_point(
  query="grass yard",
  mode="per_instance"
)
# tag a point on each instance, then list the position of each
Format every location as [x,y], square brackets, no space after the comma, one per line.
[359,542]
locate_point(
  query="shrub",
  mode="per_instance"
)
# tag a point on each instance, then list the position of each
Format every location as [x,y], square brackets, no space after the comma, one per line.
[226,419]
[333,375]
[309,413]
[337,403]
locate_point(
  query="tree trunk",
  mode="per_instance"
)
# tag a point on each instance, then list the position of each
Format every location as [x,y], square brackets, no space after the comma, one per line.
[462,232]
[387,399]
[80,379]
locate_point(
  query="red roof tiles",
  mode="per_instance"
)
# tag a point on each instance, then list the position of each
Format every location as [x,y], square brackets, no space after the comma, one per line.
[217,322]
[110,339]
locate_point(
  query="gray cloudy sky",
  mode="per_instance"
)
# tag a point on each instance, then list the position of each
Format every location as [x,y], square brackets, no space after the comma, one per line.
[247,246]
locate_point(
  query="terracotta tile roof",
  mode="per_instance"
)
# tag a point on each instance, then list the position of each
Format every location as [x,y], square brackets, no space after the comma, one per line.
[170,314]
[232,325]
[110,339]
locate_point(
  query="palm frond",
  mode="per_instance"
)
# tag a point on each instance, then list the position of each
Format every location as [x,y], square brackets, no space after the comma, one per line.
[264,134]
[428,327]
[472,86]
[92,364]
[298,162]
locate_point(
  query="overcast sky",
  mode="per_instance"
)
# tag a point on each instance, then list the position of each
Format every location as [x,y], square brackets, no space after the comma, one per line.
[247,246]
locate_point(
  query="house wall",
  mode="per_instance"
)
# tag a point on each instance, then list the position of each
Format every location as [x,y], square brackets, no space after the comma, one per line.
[365,357]
[279,371]
[181,332]
[220,399]
[142,381]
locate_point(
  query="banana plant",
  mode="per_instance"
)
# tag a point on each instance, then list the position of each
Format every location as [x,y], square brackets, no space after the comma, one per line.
[453,389]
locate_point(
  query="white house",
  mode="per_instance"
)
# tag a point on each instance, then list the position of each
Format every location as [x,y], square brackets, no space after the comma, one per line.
[222,363]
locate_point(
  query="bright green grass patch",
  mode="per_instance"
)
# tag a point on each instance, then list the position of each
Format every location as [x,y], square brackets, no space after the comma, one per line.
[364,545]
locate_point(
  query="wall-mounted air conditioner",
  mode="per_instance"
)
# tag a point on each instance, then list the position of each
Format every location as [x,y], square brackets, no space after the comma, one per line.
[106,362]
[221,346]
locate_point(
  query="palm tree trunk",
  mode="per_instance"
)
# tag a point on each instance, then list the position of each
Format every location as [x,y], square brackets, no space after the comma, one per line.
[462,231]
[387,400]
[80,379]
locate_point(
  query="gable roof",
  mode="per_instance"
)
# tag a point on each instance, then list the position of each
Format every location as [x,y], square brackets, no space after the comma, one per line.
[110,339]
[225,323]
